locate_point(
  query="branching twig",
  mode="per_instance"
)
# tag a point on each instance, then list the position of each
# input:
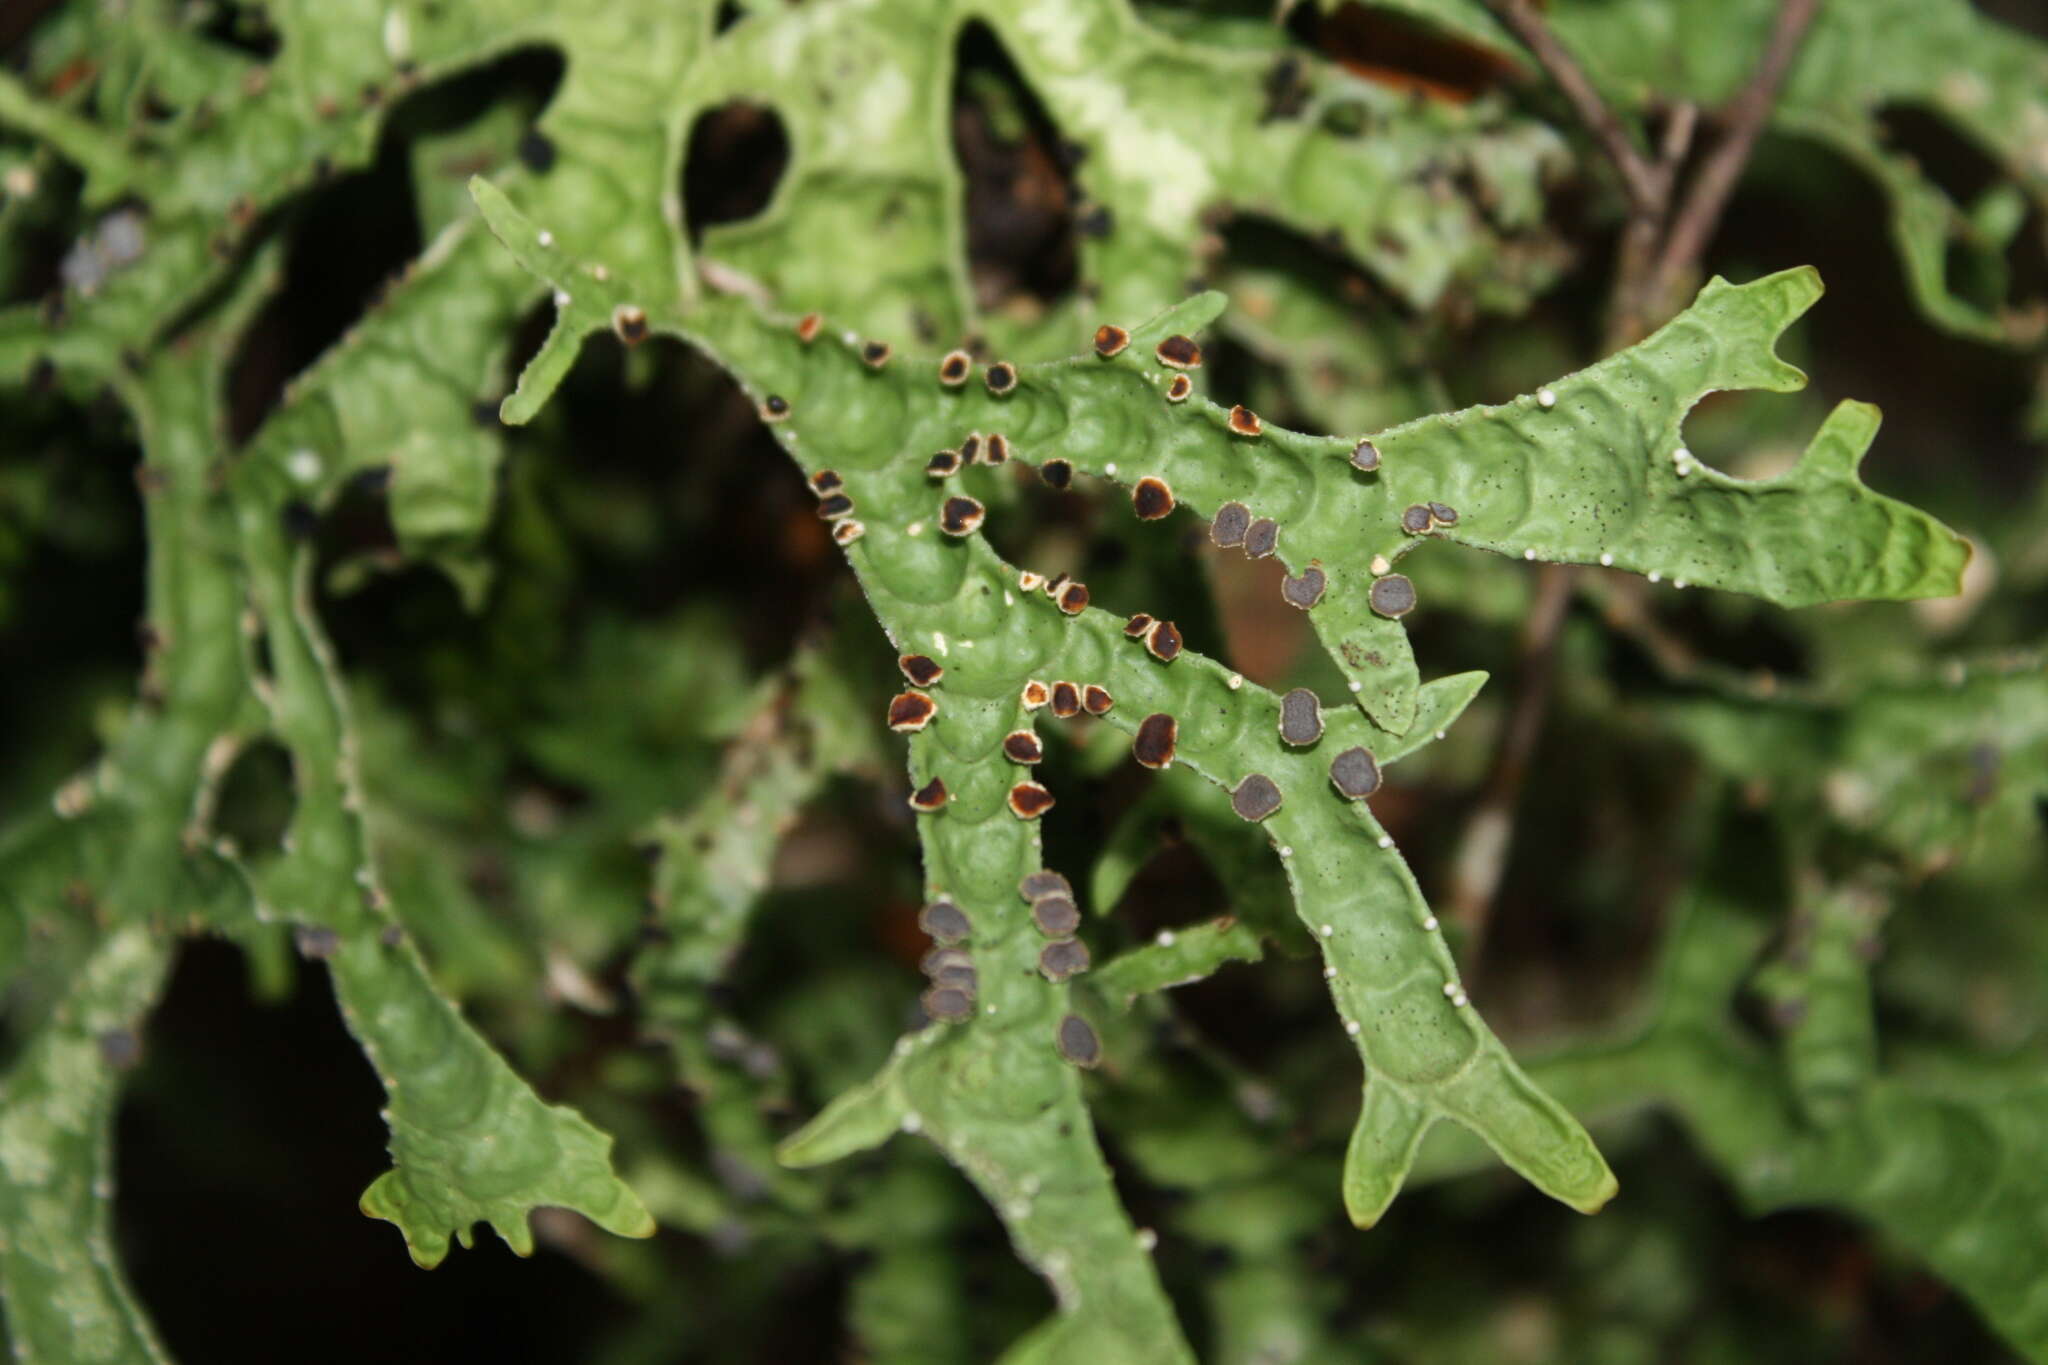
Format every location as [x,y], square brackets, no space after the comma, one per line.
[1657,246]
[1648,188]
[1700,212]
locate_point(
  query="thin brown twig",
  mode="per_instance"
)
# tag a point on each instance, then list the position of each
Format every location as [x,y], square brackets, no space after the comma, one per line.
[1629,307]
[1707,197]
[1482,855]
[1647,188]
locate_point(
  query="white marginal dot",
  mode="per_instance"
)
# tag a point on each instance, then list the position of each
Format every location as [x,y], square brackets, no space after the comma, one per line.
[1165,939]
[1529,554]
[1008,600]
[939,642]
[1450,989]
[1429,923]
[1439,734]
[1546,398]
[1286,851]
[562,299]
[1357,686]
[1656,577]
[1461,1000]
[1110,468]
[1326,930]
[1380,565]
[546,238]
[912,1122]
[303,465]
[1678,582]
[1147,1239]
[1329,973]
[1351,1027]
[1386,841]
[916,528]
[1235,681]
[1606,561]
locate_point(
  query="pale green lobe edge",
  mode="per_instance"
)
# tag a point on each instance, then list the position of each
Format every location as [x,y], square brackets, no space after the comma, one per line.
[68,1302]
[470,1141]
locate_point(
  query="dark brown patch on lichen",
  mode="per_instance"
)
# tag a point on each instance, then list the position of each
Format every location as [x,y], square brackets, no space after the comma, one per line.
[1055,914]
[1232,520]
[1366,456]
[1057,474]
[1076,1040]
[1256,797]
[911,711]
[948,1004]
[1180,352]
[1109,340]
[1096,701]
[1355,773]
[1062,959]
[1306,590]
[1042,883]
[1151,499]
[1163,641]
[1066,700]
[931,796]
[1022,746]
[1301,717]
[1392,595]
[1154,742]
[1245,422]
[955,367]
[629,322]
[1029,800]
[960,515]
[945,921]
[1261,538]
[921,669]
